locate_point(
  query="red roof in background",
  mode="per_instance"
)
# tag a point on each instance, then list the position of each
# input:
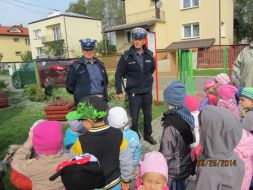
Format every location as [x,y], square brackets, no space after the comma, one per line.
[6,30]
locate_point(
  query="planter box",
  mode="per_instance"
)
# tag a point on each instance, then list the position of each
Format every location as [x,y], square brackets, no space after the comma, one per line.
[58,109]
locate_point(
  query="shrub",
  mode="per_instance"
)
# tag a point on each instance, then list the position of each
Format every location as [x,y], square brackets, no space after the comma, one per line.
[3,84]
[58,102]
[34,93]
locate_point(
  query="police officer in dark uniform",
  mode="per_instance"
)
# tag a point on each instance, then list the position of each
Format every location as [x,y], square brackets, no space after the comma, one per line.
[87,76]
[137,66]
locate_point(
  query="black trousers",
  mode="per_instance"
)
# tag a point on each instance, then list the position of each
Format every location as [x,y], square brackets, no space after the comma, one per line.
[144,102]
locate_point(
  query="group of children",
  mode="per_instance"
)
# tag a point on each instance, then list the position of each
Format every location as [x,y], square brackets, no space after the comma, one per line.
[211,140]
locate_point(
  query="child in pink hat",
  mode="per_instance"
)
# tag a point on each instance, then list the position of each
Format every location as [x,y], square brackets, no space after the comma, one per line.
[47,140]
[211,96]
[192,103]
[153,173]
[226,95]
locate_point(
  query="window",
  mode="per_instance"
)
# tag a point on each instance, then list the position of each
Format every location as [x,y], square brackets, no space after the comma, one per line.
[41,51]
[27,41]
[223,30]
[128,37]
[190,30]
[18,53]
[37,34]
[57,33]
[190,3]
[16,39]
[15,30]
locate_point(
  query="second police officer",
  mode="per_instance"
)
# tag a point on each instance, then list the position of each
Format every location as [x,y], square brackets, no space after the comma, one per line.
[87,76]
[137,66]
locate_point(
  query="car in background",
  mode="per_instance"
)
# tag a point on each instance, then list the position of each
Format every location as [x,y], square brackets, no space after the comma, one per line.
[52,72]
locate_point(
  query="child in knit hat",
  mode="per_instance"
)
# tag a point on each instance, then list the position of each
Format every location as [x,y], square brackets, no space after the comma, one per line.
[47,140]
[106,143]
[153,173]
[178,125]
[117,118]
[246,102]
[192,103]
[227,100]
[222,79]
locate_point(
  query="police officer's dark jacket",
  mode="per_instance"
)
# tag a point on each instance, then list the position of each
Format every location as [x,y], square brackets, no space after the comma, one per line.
[78,79]
[137,80]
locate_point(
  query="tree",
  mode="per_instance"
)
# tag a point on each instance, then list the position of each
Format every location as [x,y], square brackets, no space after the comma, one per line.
[79,7]
[95,8]
[55,48]
[110,11]
[27,56]
[105,47]
[243,22]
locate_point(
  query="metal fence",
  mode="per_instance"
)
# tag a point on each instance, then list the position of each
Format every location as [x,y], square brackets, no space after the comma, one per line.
[213,57]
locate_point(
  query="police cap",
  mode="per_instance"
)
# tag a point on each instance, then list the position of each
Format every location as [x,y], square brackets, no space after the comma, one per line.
[88,43]
[138,33]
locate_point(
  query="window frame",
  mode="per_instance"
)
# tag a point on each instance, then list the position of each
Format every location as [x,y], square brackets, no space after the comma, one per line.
[189,24]
[16,39]
[56,32]
[18,53]
[41,51]
[38,34]
[191,6]
[27,41]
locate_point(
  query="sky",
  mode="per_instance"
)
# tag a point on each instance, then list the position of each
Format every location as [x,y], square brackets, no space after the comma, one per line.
[16,12]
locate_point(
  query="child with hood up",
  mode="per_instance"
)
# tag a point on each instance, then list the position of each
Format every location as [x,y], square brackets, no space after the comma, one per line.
[220,134]
[226,95]
[178,125]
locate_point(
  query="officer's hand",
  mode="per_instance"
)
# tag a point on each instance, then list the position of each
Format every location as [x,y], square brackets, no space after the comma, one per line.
[120,96]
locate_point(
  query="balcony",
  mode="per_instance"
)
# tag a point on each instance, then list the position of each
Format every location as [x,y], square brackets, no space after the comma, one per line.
[50,38]
[149,15]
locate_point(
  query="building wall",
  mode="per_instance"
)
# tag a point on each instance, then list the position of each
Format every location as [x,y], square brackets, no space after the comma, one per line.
[43,25]
[72,30]
[227,7]
[134,6]
[9,47]
[207,14]
[77,29]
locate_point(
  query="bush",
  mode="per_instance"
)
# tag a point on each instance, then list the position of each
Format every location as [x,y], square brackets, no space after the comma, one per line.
[3,84]
[34,93]
[59,93]
[58,102]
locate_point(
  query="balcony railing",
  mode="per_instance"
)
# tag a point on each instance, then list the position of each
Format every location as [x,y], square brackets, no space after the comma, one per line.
[153,14]
[51,38]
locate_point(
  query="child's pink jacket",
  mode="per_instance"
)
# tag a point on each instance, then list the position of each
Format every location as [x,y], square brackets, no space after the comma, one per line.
[244,150]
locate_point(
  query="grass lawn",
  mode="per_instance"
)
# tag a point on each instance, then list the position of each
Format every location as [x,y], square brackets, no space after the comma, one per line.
[207,72]
[16,121]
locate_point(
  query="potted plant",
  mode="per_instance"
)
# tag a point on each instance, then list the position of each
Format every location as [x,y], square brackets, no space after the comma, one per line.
[57,109]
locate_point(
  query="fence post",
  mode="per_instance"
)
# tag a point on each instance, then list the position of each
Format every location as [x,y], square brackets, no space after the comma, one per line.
[231,58]
[225,59]
[177,61]
[190,81]
[37,74]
